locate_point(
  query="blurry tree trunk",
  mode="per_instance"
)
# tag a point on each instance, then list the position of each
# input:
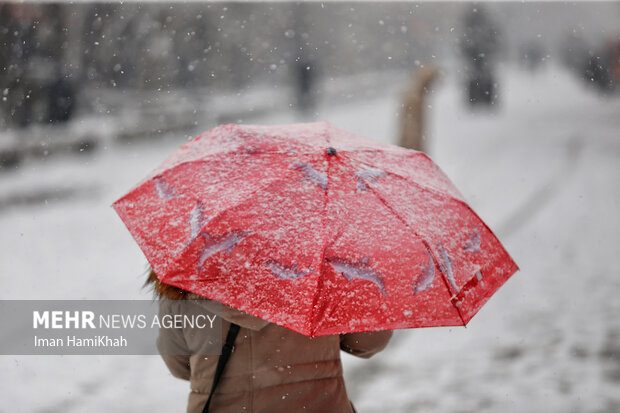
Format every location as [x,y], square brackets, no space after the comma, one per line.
[412,133]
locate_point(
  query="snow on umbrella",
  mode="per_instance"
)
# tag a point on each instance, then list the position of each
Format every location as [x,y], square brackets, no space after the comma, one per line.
[316,229]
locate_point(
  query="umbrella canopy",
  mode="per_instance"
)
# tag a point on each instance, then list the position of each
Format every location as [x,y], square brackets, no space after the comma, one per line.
[316,229]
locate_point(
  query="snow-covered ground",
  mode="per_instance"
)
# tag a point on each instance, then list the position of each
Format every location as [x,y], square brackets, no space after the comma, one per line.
[542,171]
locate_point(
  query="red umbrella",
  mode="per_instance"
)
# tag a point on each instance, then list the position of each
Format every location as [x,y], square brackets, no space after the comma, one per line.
[316,229]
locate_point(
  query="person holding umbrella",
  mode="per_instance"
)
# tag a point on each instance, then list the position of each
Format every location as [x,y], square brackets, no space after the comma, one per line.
[313,239]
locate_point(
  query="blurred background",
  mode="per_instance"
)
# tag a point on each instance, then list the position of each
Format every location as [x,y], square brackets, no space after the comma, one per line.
[519,103]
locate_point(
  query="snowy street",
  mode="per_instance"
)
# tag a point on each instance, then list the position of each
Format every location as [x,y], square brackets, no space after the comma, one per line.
[542,170]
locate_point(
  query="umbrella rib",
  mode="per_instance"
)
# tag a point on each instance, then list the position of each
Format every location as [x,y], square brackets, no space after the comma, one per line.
[319,286]
[424,242]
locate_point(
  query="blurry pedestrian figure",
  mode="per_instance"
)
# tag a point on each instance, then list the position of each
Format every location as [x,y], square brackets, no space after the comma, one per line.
[479,47]
[412,125]
[61,99]
[305,72]
[272,369]
[614,61]
[34,36]
[18,36]
[597,70]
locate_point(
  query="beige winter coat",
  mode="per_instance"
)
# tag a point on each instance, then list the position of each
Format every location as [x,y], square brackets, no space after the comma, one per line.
[272,369]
